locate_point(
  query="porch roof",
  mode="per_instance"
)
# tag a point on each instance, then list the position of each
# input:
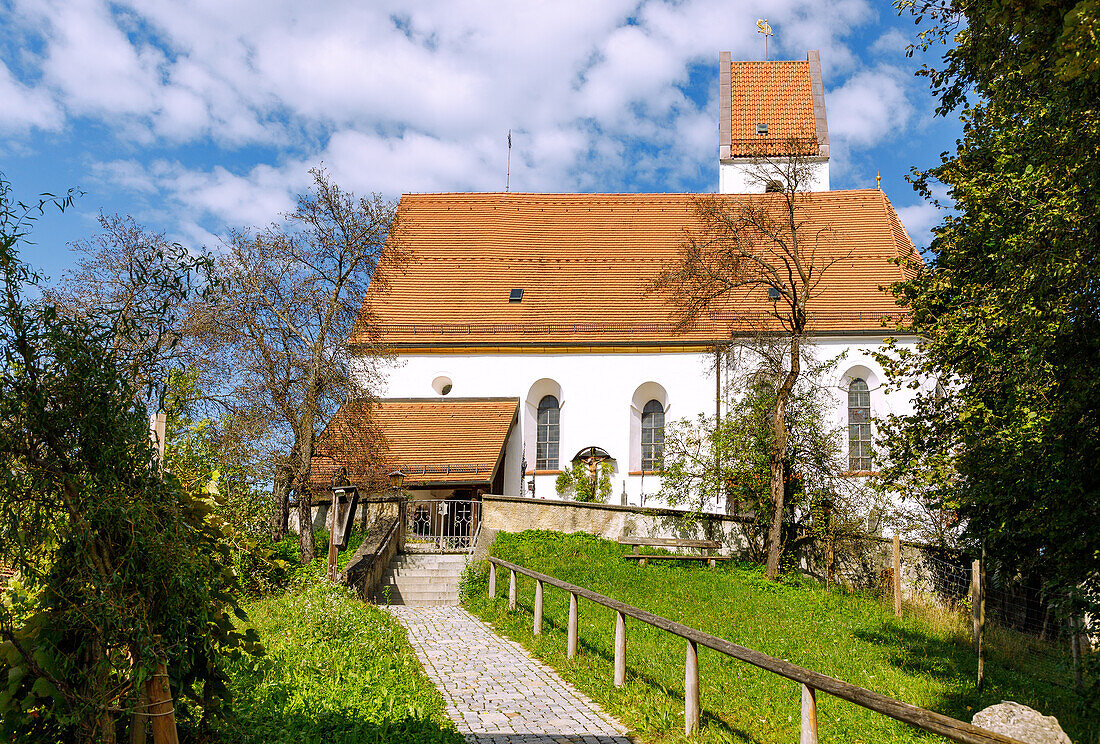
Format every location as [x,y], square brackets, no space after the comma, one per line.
[433,441]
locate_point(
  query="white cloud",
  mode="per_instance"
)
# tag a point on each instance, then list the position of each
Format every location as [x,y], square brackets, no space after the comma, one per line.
[92,62]
[871,106]
[919,219]
[396,98]
[892,42]
[25,107]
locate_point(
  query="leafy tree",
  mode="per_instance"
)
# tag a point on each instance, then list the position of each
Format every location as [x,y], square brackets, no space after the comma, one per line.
[762,243]
[1007,310]
[205,455]
[819,502]
[290,299]
[118,568]
[122,277]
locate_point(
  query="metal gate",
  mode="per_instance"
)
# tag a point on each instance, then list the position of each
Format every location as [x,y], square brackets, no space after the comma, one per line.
[441,526]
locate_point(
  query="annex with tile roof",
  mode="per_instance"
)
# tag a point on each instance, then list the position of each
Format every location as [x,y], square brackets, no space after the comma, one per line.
[584,263]
[434,442]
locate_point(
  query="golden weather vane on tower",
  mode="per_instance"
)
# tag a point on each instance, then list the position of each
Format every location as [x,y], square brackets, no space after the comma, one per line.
[762,27]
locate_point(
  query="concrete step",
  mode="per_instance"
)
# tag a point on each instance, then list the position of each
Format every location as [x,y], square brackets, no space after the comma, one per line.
[433,562]
[397,578]
[390,578]
[408,571]
[422,579]
[409,597]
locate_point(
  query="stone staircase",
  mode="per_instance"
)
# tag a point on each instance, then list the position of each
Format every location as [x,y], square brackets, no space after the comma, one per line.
[422,579]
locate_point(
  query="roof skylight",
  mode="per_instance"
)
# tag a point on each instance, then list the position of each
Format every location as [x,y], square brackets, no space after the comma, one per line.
[515,295]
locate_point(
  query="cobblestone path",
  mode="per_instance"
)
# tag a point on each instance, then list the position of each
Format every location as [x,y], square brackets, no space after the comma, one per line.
[496,692]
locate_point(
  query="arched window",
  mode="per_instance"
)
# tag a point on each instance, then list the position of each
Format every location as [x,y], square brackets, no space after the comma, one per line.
[546,448]
[859,426]
[653,435]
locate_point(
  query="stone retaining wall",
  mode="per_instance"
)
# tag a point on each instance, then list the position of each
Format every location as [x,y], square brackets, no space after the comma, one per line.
[511,514]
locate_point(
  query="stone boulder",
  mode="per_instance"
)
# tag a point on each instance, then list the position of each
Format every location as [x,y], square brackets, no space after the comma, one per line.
[1022,723]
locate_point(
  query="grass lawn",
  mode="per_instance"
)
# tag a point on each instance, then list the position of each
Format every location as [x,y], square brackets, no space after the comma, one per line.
[337,671]
[923,659]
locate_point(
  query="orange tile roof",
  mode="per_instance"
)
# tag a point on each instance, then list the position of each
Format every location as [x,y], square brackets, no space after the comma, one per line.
[779,94]
[584,262]
[432,441]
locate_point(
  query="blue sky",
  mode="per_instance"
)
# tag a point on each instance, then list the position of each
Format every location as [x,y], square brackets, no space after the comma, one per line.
[201,116]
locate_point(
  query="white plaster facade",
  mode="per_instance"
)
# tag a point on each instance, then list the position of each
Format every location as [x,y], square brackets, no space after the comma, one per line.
[601,395]
[742,177]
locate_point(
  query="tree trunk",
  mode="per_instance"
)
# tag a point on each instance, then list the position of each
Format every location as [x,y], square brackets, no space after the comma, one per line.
[778,460]
[305,492]
[305,526]
[280,494]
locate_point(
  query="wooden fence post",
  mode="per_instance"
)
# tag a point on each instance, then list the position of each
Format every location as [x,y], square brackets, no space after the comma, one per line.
[492,581]
[620,649]
[977,604]
[809,715]
[538,608]
[691,689]
[512,591]
[161,710]
[571,651]
[897,576]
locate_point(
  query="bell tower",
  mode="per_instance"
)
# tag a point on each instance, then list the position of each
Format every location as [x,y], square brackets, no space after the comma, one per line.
[771,114]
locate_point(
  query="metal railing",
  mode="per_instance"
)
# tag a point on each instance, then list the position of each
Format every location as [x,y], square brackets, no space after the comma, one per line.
[811,681]
[441,526]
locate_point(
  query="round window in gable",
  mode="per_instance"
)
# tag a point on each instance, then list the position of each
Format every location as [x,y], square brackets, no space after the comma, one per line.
[441,385]
[773,187]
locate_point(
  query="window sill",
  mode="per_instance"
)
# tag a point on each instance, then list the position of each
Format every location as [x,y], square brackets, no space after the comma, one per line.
[646,472]
[543,472]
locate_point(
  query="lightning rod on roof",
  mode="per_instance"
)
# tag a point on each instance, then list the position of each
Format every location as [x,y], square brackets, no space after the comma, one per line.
[508,173]
[762,27]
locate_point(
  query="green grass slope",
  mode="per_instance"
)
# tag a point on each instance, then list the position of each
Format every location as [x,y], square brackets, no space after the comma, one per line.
[336,671]
[924,659]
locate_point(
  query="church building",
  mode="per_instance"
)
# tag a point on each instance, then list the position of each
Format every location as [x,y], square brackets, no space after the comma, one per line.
[527,336]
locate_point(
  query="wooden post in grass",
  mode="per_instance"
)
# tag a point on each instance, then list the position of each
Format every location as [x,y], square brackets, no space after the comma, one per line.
[977,604]
[620,649]
[512,591]
[492,581]
[897,576]
[571,649]
[538,608]
[333,551]
[809,715]
[691,689]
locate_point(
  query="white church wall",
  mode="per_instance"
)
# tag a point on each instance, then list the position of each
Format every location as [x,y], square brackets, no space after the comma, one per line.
[600,397]
[734,177]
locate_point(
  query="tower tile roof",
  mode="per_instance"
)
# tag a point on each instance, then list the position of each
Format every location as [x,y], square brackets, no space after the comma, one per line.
[786,95]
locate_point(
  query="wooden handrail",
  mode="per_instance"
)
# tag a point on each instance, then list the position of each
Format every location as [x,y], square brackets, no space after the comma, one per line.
[928,720]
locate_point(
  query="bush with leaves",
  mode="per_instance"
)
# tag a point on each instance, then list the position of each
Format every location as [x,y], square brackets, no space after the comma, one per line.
[578,482]
[206,456]
[818,502]
[118,567]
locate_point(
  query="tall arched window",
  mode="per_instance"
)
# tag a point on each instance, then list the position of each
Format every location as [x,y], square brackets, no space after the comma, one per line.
[859,426]
[653,435]
[546,448]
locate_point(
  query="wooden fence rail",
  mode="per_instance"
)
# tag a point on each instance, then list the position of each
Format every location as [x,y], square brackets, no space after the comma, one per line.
[810,681]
